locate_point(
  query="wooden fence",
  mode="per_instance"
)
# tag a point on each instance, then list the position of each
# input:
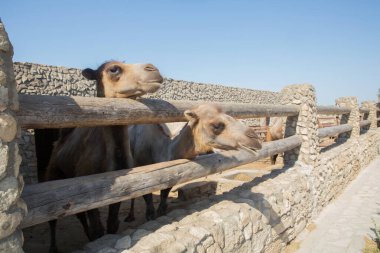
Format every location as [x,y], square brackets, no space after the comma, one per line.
[50,200]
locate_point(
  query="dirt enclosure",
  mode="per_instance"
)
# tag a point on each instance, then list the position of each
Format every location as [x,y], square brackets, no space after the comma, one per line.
[70,235]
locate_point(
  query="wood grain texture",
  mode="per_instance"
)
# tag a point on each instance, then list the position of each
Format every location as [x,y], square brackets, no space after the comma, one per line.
[332,110]
[334,130]
[54,199]
[364,123]
[38,111]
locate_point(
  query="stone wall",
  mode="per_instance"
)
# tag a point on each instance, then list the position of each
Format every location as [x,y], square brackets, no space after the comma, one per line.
[12,207]
[34,78]
[259,216]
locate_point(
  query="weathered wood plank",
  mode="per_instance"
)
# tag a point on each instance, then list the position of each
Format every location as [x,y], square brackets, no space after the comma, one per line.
[332,110]
[363,110]
[50,200]
[37,111]
[364,123]
[334,130]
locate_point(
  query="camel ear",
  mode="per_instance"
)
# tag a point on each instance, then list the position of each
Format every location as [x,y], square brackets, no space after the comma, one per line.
[190,115]
[89,74]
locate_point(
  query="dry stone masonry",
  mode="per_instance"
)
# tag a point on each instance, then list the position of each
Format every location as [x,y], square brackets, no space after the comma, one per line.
[352,119]
[305,124]
[12,208]
[372,115]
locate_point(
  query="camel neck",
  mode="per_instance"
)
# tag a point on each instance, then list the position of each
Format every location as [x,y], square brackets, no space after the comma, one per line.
[183,145]
[120,152]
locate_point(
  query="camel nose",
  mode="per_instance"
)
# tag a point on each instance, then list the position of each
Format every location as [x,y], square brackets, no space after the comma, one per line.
[150,67]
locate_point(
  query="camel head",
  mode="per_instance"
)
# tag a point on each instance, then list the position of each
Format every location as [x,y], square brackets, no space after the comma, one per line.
[213,129]
[120,80]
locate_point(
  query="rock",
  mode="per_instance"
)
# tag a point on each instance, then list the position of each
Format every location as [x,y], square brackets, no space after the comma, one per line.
[9,192]
[4,160]
[103,242]
[139,233]
[107,250]
[8,127]
[124,242]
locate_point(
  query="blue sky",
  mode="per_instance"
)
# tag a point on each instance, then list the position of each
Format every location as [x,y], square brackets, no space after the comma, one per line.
[266,45]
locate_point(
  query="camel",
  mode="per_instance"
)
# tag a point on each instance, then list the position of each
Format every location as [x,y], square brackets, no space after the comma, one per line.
[275,132]
[208,128]
[90,150]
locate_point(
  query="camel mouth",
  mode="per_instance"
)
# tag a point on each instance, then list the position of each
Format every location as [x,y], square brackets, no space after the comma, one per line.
[249,149]
[133,93]
[219,146]
[153,83]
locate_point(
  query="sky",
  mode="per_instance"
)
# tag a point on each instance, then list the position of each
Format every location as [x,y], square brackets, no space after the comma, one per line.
[265,45]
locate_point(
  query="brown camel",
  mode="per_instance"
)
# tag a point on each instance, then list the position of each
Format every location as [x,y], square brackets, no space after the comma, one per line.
[90,150]
[275,132]
[208,127]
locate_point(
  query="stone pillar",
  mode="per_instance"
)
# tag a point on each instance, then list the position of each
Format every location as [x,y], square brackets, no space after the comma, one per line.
[352,119]
[12,208]
[305,124]
[372,116]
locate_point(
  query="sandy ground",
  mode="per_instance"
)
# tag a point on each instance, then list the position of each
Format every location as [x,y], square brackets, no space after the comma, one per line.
[70,235]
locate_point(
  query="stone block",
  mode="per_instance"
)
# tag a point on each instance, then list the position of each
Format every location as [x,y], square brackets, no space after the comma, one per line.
[155,241]
[10,220]
[8,127]
[4,156]
[106,241]
[12,243]
[106,250]
[123,243]
[139,234]
[9,192]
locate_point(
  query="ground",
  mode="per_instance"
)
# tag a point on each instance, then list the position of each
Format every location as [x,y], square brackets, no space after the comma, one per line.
[70,235]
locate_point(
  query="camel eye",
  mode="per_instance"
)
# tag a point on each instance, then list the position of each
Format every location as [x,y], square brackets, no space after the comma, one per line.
[114,70]
[217,128]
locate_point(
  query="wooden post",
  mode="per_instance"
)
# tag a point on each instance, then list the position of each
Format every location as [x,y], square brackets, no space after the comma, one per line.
[12,208]
[353,118]
[305,124]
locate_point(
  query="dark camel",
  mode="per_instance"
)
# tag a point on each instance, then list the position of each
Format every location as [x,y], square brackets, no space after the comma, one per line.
[90,150]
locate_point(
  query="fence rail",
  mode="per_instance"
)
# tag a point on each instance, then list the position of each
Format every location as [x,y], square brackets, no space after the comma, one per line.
[37,111]
[364,123]
[50,200]
[332,110]
[364,110]
[333,130]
